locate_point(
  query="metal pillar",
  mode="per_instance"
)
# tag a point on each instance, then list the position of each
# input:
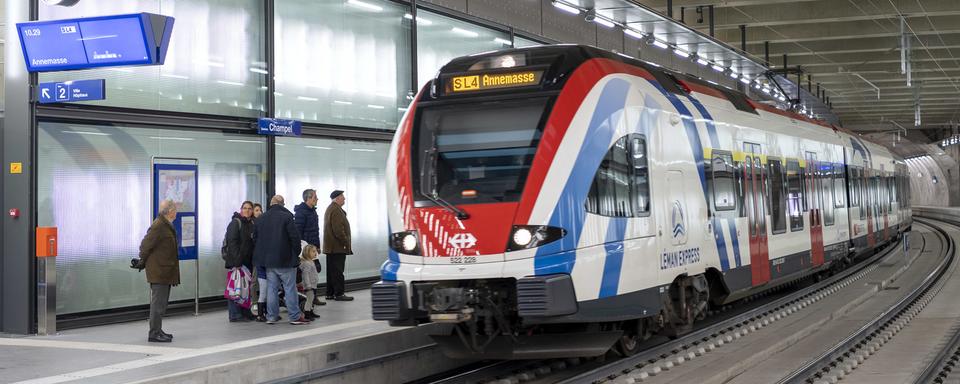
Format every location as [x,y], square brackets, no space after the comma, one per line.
[743,37]
[711,20]
[766,53]
[670,8]
[271,101]
[18,281]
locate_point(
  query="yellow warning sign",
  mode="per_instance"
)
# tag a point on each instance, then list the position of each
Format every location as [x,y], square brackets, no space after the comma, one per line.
[16,167]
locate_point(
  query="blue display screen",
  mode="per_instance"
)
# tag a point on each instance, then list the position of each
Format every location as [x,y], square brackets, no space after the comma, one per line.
[93,42]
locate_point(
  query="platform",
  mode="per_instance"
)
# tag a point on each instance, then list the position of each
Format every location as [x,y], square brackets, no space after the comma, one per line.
[207,348]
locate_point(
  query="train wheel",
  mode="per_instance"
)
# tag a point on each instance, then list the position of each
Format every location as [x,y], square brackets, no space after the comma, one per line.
[633,333]
[689,297]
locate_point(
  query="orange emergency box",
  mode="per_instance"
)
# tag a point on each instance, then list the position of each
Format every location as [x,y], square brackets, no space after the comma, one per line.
[46,241]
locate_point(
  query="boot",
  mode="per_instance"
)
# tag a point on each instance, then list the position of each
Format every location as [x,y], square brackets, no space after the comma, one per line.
[261,312]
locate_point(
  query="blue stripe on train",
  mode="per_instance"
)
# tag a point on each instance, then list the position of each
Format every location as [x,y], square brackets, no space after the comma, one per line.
[613,264]
[570,211]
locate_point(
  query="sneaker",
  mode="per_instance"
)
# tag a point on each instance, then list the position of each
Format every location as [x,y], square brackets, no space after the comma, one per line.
[272,321]
[301,321]
[329,297]
[343,298]
[318,301]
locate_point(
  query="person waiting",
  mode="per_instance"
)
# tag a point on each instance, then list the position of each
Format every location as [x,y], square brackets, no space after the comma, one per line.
[277,248]
[310,278]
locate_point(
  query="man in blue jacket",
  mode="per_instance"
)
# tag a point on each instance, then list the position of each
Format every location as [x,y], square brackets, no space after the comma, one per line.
[308,226]
[277,247]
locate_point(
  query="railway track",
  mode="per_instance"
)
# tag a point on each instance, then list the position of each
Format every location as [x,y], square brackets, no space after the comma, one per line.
[729,324]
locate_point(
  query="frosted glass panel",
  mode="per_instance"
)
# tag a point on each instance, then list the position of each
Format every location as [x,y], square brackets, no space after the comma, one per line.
[94,186]
[520,42]
[343,62]
[441,38]
[214,65]
[357,168]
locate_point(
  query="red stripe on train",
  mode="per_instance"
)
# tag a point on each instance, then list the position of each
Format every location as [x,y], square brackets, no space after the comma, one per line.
[574,92]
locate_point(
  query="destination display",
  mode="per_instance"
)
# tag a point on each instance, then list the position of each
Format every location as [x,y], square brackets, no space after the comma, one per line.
[486,81]
[132,39]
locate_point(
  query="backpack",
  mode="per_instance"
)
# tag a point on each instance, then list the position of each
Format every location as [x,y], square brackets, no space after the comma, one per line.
[238,286]
[224,254]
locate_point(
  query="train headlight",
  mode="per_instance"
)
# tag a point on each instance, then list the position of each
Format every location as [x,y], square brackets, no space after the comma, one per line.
[522,237]
[531,236]
[409,242]
[406,242]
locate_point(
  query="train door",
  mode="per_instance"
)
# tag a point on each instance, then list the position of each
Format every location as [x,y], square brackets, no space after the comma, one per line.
[815,202]
[754,198]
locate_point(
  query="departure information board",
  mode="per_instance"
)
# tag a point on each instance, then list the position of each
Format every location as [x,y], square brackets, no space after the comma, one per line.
[133,39]
[487,81]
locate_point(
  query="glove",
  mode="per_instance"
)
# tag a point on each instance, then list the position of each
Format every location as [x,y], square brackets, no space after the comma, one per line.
[137,264]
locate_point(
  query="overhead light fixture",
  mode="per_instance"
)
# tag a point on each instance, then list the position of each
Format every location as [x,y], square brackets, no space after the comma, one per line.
[604,22]
[702,61]
[258,70]
[307,98]
[566,8]
[745,80]
[502,41]
[364,5]
[681,53]
[633,33]
[717,68]
[660,44]
[766,90]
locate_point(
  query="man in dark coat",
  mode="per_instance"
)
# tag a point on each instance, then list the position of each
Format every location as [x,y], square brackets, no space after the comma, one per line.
[158,253]
[277,247]
[336,245]
[239,253]
[308,226]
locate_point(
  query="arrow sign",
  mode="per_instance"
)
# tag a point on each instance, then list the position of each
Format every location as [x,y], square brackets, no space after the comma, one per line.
[70,91]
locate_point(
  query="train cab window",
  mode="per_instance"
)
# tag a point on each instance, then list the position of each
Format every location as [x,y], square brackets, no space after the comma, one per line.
[722,171]
[620,187]
[838,187]
[794,196]
[778,214]
[477,152]
[641,175]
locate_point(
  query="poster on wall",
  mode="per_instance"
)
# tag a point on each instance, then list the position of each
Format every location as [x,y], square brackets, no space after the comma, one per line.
[176,180]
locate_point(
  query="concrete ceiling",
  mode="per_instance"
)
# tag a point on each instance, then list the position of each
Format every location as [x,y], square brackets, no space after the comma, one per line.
[845,45]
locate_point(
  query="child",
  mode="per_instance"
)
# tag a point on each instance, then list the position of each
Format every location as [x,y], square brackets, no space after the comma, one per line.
[310,278]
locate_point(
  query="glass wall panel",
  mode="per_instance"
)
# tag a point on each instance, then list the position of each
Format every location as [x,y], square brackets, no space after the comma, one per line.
[343,62]
[357,168]
[440,39]
[215,63]
[520,42]
[94,185]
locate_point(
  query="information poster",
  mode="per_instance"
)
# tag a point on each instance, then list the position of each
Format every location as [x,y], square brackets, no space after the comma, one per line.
[178,182]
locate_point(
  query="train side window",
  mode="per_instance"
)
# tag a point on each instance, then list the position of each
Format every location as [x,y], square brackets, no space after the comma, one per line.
[863,187]
[825,182]
[722,170]
[641,175]
[794,195]
[778,214]
[621,186]
[838,187]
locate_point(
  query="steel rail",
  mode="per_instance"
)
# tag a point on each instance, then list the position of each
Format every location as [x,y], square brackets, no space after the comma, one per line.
[816,367]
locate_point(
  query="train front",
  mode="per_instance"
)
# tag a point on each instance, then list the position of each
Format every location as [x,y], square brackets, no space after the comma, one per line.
[472,243]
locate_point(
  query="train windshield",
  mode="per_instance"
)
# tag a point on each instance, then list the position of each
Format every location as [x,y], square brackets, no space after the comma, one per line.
[478,152]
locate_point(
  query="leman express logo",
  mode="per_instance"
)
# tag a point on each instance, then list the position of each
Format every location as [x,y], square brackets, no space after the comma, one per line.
[463,241]
[674,259]
[676,219]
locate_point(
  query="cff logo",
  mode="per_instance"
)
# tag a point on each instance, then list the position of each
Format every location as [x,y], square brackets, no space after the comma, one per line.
[677,220]
[463,241]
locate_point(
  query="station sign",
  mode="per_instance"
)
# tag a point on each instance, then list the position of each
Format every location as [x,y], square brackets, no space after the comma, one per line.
[105,41]
[70,91]
[278,127]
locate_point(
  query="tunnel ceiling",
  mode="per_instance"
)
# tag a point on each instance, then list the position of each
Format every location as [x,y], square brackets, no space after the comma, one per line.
[852,48]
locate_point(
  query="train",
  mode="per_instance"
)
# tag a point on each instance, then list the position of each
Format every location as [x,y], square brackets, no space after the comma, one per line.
[564,201]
